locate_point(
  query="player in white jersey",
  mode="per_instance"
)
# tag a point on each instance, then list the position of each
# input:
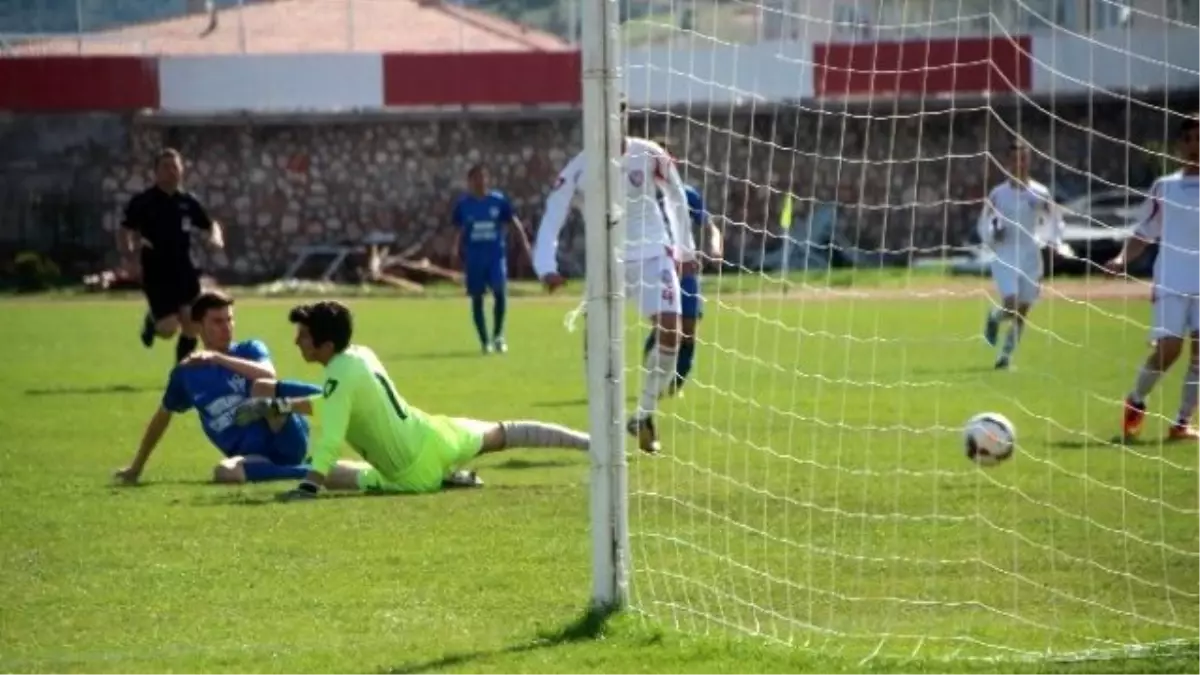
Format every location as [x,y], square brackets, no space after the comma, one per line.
[654,248]
[1171,215]
[1020,214]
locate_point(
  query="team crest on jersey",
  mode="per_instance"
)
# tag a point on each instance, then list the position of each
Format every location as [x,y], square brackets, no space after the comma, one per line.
[330,387]
[637,177]
[495,211]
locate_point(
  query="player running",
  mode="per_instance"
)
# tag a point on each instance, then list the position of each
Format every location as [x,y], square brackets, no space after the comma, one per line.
[1017,213]
[1170,214]
[406,449]
[652,245]
[158,224]
[691,304]
[214,382]
[483,218]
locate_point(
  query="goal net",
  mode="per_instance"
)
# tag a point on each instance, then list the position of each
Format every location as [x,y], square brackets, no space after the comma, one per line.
[814,489]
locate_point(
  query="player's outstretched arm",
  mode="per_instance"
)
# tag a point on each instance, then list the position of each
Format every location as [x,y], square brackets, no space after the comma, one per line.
[1149,229]
[150,438]
[333,408]
[558,207]
[276,397]
[1057,228]
[247,368]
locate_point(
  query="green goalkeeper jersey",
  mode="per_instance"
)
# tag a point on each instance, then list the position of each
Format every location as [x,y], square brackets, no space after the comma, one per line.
[360,406]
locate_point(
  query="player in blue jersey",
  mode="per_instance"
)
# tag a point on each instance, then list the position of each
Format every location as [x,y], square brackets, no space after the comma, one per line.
[485,220]
[215,382]
[709,242]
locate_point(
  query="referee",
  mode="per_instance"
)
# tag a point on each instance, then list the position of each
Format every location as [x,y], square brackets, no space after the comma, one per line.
[158,223]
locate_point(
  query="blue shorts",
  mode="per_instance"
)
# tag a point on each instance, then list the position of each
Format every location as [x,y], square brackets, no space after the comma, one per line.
[489,273]
[690,302]
[286,447]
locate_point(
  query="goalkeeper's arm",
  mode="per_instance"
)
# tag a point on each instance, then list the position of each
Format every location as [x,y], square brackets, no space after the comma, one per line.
[332,405]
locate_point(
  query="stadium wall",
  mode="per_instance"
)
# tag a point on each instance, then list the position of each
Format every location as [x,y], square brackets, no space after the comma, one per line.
[291,149]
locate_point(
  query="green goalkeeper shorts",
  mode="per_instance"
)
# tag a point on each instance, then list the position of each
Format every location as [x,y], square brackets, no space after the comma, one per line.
[449,443]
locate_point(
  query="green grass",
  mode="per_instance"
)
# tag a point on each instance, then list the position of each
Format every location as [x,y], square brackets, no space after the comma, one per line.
[813,507]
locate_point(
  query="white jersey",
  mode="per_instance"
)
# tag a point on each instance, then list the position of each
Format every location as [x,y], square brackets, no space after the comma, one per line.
[646,169]
[1018,220]
[1171,215]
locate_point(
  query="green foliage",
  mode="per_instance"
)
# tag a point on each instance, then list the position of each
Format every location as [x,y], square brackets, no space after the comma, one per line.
[34,272]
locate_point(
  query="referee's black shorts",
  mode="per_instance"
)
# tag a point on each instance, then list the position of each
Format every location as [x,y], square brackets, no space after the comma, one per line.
[169,285]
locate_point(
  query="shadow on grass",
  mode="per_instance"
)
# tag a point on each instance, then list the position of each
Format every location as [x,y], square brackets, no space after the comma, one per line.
[435,356]
[588,627]
[522,464]
[185,482]
[240,498]
[1114,443]
[85,391]
[560,404]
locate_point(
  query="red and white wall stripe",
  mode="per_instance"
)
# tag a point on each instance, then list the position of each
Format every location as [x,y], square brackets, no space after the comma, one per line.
[765,72]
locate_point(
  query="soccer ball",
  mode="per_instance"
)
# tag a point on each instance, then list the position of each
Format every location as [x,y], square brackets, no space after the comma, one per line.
[989,438]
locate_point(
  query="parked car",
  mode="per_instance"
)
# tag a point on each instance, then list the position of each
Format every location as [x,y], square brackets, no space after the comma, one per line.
[1096,225]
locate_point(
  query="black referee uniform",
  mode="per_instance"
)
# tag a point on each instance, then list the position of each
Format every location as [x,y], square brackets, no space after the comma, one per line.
[164,221]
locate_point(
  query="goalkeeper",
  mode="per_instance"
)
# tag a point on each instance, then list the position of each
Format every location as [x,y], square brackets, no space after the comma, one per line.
[406,450]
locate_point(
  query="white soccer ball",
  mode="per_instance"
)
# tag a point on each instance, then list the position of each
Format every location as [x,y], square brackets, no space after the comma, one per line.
[989,438]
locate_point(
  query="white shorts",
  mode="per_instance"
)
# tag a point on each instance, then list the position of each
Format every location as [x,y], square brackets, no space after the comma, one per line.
[1020,281]
[1175,315]
[654,284]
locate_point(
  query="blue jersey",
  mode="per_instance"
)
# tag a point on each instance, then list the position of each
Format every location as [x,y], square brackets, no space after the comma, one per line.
[215,392]
[696,208]
[484,224]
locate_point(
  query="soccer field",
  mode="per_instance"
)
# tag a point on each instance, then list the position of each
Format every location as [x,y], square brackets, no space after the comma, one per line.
[813,506]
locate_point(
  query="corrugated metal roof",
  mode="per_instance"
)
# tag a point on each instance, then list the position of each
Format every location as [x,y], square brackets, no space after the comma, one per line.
[288,26]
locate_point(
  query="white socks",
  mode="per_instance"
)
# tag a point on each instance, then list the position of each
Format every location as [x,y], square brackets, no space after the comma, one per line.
[660,372]
[525,434]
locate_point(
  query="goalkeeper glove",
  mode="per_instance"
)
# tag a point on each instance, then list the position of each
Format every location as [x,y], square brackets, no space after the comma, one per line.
[259,408]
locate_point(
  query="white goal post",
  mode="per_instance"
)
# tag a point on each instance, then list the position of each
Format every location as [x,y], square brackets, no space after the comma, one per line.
[605,307]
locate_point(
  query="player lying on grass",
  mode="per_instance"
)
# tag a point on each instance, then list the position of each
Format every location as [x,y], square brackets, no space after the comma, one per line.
[485,220]
[406,449]
[214,382]
[654,248]
[1171,215]
[691,303]
[1017,213]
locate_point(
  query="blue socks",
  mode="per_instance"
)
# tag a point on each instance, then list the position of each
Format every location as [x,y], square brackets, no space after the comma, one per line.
[294,389]
[683,364]
[259,472]
[499,309]
[500,306]
[477,316]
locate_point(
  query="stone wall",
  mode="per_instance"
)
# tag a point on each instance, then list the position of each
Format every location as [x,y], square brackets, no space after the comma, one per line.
[904,181]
